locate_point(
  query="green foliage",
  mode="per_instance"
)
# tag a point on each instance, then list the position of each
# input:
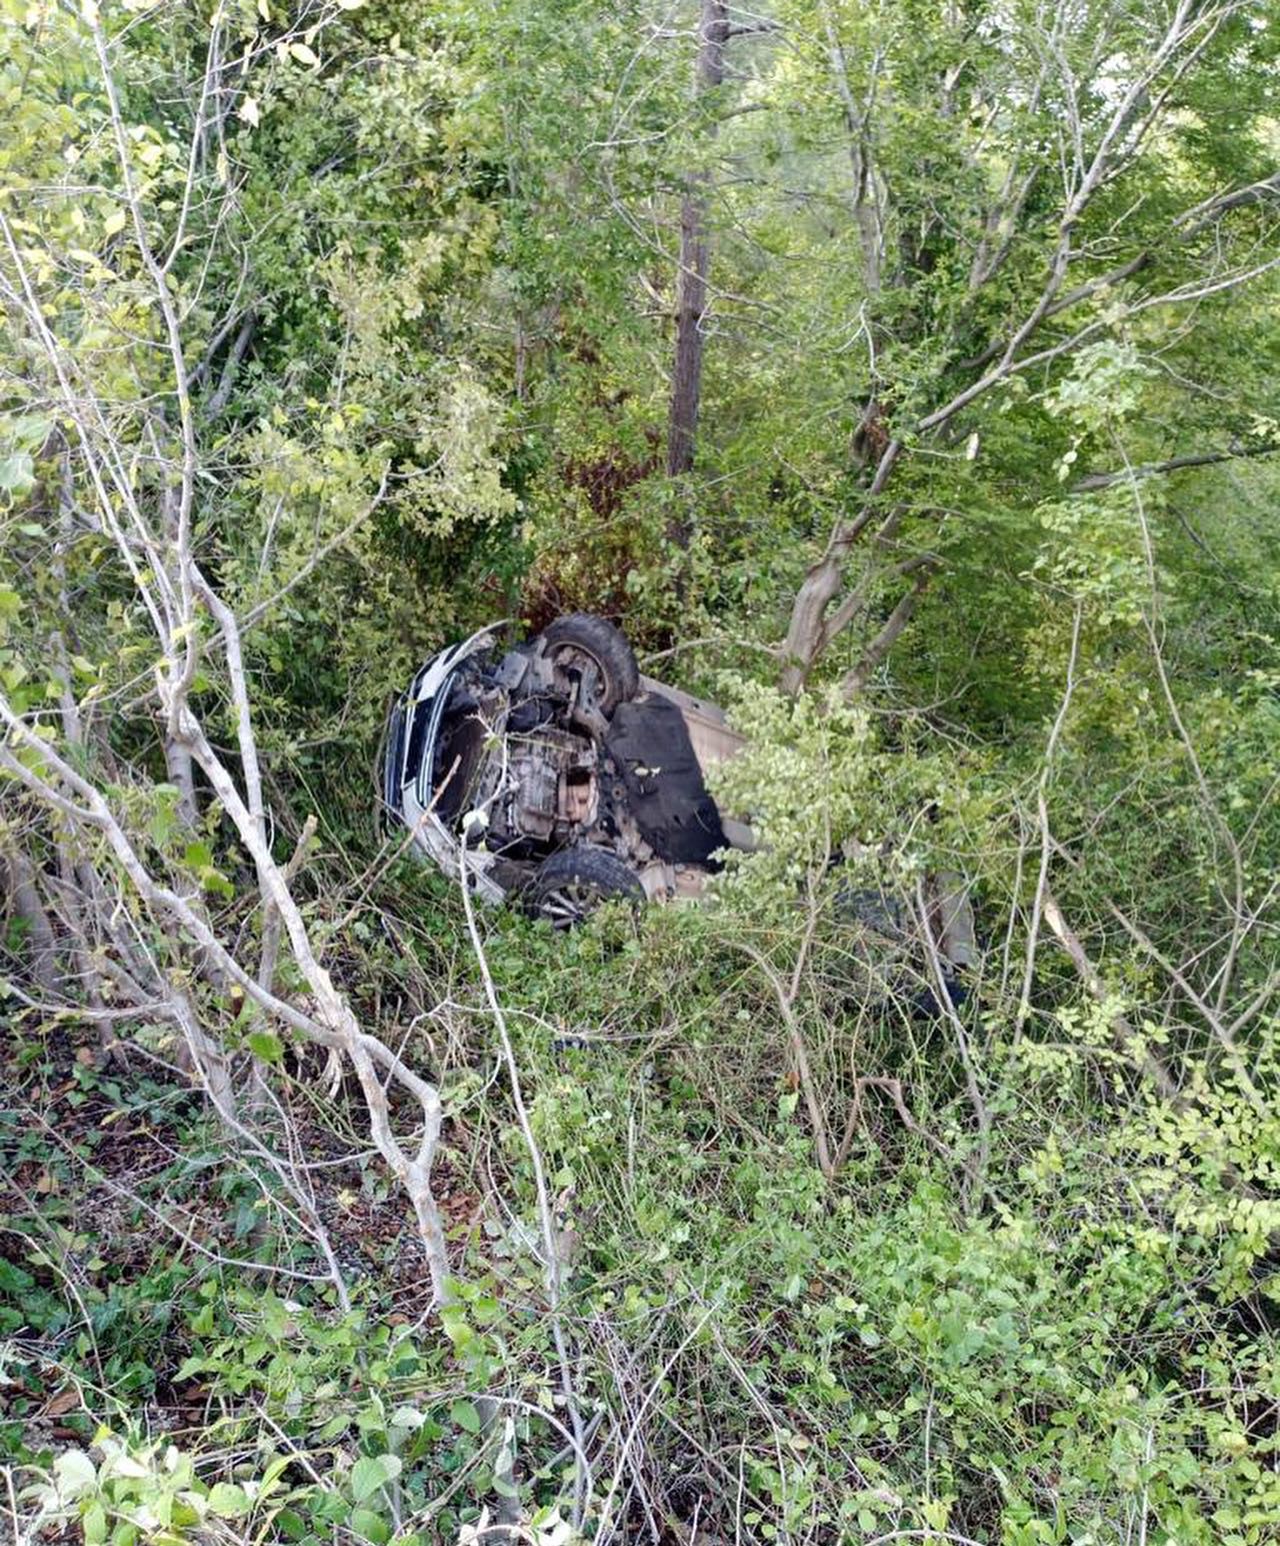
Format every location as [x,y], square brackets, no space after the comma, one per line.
[138,1491]
[422,272]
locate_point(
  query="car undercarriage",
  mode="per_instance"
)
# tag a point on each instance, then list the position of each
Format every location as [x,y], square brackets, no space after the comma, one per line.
[555,764]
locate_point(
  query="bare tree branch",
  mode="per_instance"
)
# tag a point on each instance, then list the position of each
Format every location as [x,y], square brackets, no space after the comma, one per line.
[1101,480]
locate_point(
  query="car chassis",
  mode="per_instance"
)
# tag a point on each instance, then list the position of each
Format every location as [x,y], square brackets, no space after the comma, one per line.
[553,771]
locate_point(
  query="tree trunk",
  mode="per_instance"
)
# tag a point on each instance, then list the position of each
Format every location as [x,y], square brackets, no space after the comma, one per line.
[24,898]
[809,631]
[691,279]
[864,197]
[181,771]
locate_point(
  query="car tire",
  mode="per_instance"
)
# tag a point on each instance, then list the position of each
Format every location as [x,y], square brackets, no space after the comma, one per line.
[571,884]
[605,647]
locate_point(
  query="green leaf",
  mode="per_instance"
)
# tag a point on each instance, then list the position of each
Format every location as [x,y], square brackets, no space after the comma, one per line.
[94,1524]
[453,1320]
[290,1524]
[74,1472]
[265,1045]
[29,430]
[373,1527]
[372,1472]
[17,474]
[228,1501]
[465,1415]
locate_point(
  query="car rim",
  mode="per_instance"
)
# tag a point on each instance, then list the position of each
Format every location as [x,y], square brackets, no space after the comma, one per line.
[569,903]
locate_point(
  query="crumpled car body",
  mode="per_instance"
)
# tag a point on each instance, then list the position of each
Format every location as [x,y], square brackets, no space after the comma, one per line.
[558,750]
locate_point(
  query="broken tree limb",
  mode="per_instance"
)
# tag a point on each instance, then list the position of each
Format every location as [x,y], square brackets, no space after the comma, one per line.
[855,680]
[1122,1030]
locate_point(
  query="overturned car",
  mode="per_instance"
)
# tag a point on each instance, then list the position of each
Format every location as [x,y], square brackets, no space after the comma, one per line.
[555,774]
[564,775]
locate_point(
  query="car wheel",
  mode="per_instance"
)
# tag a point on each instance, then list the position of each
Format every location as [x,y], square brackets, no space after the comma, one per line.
[598,650]
[571,884]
